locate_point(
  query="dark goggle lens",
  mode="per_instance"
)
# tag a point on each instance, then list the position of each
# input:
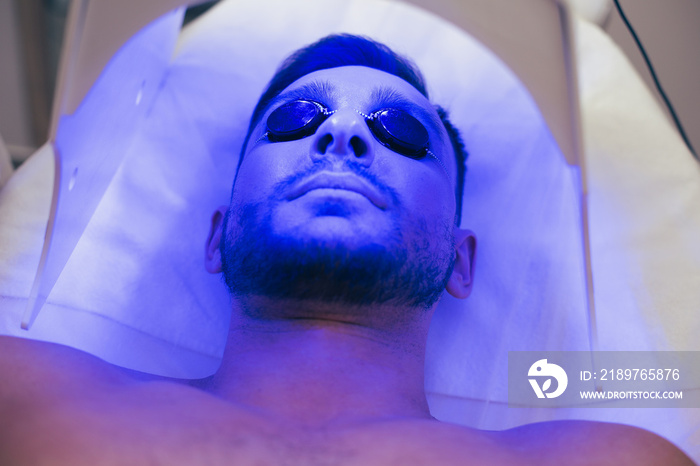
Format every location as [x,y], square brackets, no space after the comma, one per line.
[400,131]
[396,129]
[295,120]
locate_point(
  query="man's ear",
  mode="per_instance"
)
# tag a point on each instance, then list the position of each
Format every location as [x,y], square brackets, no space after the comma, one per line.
[212,257]
[460,282]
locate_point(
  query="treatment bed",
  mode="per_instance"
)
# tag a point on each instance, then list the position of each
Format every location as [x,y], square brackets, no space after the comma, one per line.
[567,164]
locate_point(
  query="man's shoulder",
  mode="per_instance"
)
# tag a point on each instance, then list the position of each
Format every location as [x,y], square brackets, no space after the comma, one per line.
[36,363]
[591,442]
[548,443]
[56,400]
[38,375]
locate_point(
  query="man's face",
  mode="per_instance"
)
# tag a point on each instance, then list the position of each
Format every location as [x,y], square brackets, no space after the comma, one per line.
[337,216]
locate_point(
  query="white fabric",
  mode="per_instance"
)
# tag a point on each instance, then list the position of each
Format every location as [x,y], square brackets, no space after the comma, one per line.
[135,292]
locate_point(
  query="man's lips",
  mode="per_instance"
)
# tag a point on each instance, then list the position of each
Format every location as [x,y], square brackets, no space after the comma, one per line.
[344,181]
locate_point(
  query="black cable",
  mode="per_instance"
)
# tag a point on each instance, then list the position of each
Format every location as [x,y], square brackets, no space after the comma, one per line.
[656,80]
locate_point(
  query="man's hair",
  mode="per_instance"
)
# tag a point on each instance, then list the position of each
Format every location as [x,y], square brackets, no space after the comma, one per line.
[348,50]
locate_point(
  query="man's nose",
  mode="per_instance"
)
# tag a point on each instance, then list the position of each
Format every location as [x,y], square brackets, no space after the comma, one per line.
[344,133]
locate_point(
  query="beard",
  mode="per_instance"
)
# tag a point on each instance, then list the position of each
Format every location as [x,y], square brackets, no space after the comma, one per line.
[258,261]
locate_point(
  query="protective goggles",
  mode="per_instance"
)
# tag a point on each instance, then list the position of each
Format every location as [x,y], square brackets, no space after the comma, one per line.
[394,128]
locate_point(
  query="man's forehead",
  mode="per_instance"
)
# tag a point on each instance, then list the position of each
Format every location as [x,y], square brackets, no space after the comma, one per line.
[357,84]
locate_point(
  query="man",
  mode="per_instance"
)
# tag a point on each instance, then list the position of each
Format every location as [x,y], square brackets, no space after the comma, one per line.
[341,234]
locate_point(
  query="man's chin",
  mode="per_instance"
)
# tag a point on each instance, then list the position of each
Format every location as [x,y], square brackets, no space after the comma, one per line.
[316,269]
[336,232]
[335,223]
[330,259]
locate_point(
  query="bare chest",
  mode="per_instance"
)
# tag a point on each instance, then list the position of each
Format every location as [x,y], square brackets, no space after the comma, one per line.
[186,433]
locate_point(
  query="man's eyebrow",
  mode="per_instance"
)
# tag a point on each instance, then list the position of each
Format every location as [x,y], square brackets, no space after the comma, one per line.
[385,97]
[319,91]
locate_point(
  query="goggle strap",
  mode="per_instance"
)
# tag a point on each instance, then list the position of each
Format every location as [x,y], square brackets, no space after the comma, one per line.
[442,165]
[364,115]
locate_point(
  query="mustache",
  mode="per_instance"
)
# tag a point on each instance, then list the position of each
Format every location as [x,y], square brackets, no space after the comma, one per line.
[349,167]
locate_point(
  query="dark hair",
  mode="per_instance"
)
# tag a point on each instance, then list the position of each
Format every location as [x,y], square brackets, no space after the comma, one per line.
[348,50]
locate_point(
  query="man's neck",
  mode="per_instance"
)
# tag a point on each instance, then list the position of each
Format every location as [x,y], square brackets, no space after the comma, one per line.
[318,372]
